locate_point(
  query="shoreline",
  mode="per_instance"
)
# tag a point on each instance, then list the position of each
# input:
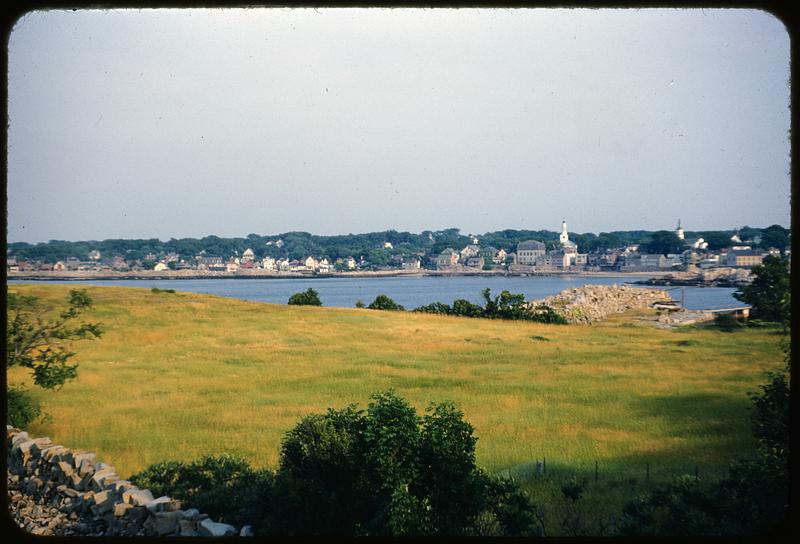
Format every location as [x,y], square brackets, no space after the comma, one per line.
[194,275]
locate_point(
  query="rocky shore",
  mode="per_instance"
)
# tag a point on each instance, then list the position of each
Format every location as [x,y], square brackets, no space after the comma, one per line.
[592,303]
[712,277]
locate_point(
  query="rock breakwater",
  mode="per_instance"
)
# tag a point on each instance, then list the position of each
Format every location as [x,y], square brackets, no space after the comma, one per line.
[592,303]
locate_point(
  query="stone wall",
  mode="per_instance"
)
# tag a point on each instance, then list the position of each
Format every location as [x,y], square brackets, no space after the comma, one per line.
[594,302]
[53,490]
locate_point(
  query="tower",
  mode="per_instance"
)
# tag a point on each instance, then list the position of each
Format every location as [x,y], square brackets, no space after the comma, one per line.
[679,230]
[563,237]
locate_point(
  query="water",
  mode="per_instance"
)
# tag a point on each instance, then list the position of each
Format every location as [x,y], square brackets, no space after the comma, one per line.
[411,292]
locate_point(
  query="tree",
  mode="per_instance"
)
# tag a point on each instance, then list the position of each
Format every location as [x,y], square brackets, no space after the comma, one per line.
[717,239]
[769,292]
[305,298]
[40,343]
[775,236]
[387,471]
[383,302]
[663,242]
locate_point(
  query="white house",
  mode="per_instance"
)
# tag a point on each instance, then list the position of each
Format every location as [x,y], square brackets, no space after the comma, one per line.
[248,255]
[160,267]
[268,263]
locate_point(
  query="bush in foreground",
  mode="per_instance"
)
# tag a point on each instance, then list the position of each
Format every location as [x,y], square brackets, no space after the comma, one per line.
[305,298]
[387,471]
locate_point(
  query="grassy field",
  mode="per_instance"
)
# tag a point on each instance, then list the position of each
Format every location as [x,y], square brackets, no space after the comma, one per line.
[179,375]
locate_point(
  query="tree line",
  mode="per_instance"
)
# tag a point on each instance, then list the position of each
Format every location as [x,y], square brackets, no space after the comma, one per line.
[299,245]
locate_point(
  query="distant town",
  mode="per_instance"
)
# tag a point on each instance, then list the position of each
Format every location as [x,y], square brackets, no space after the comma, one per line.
[506,252]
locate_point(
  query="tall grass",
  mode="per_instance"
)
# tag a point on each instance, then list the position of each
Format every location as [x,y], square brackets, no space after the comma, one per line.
[180,375]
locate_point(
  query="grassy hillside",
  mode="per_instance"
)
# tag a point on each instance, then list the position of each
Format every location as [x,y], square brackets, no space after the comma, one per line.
[180,375]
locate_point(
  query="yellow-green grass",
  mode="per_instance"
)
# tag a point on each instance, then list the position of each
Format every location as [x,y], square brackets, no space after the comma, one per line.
[177,376]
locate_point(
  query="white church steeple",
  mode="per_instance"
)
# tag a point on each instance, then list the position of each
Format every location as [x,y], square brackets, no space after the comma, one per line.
[563,237]
[679,230]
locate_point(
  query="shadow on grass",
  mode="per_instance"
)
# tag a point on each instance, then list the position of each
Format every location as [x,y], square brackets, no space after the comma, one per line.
[709,431]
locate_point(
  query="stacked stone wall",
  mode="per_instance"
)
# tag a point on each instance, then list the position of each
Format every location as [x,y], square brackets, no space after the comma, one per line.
[595,302]
[53,490]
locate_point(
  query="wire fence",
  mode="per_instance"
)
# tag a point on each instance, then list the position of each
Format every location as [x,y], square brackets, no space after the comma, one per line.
[600,472]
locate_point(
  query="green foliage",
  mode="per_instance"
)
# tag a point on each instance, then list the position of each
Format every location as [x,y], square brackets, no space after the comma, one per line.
[546,314]
[769,292]
[224,487]
[360,304]
[22,408]
[465,308]
[386,471]
[775,236]
[435,308]
[308,297]
[663,242]
[680,508]
[383,302]
[157,290]
[771,413]
[40,343]
[504,306]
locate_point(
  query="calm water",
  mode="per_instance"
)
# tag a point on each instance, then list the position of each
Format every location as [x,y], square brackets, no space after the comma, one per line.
[411,292]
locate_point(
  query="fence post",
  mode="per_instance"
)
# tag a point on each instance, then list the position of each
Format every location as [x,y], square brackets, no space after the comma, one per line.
[544,464]
[595,471]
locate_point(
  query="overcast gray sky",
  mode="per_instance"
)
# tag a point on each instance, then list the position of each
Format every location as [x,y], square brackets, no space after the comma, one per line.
[176,123]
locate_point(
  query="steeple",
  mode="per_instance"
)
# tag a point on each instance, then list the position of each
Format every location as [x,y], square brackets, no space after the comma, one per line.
[563,237]
[679,230]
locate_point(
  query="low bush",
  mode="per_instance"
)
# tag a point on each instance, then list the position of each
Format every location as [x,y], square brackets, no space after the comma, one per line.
[435,308]
[23,409]
[224,487]
[383,302]
[157,290]
[308,297]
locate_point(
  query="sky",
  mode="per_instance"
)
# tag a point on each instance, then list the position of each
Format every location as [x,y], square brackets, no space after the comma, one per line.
[186,123]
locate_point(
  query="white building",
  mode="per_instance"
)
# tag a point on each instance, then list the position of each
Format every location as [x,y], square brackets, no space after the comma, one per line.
[160,267]
[268,263]
[679,231]
[248,255]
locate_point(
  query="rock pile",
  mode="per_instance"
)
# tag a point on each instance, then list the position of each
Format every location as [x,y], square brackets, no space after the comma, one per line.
[56,491]
[594,302]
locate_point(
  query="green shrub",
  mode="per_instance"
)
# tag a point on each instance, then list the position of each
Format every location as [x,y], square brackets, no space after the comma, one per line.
[383,302]
[157,290]
[224,487]
[360,304]
[23,409]
[546,314]
[305,298]
[465,308]
[435,308]
[387,471]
